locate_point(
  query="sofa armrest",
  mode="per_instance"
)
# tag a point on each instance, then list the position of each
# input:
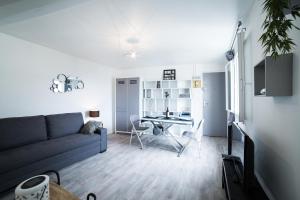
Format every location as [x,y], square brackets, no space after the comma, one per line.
[103,139]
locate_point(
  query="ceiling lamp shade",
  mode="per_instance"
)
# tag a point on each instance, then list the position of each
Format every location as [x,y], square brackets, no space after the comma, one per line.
[94,113]
[133,54]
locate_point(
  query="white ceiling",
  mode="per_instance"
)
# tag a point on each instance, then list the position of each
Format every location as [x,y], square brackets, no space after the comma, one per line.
[163,32]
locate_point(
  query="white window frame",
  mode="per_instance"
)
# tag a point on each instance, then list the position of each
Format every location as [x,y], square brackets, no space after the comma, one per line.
[229,77]
[237,76]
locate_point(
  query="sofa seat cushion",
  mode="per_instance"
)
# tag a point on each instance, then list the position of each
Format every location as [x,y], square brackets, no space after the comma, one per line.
[60,125]
[19,131]
[18,157]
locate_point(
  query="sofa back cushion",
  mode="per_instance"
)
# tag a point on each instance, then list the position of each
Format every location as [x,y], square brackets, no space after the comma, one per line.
[19,131]
[60,125]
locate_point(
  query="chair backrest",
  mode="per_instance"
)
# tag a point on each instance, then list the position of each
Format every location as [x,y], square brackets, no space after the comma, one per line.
[197,131]
[135,121]
[196,126]
[199,125]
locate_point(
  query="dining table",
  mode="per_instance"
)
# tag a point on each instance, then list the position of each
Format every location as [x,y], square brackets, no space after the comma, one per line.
[165,123]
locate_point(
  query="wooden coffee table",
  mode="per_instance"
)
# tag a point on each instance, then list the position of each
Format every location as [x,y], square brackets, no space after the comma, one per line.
[59,193]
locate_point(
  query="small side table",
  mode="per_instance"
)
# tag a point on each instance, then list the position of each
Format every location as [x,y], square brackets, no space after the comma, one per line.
[59,193]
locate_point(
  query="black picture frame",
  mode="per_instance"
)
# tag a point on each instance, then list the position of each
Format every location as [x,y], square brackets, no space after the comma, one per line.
[169,74]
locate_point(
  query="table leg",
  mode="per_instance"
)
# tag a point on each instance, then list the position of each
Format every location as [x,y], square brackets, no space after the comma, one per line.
[168,133]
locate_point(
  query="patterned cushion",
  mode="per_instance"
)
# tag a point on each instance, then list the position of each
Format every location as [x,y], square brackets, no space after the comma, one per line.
[90,127]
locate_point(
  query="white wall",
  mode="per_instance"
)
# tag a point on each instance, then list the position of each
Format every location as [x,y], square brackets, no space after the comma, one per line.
[273,122]
[26,72]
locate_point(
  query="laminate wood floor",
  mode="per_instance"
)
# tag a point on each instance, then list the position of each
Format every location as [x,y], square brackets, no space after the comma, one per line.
[126,172]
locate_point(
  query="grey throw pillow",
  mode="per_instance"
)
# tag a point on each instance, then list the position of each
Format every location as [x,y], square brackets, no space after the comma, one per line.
[90,127]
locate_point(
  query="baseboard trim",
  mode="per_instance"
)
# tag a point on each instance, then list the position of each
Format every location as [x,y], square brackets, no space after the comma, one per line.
[264,186]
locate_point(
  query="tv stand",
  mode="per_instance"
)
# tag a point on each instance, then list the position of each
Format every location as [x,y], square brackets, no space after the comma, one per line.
[232,181]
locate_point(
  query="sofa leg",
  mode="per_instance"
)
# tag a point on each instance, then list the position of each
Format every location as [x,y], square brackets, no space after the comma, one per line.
[102,151]
[54,172]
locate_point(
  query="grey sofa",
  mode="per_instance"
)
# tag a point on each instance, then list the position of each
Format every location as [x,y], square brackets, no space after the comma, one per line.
[32,145]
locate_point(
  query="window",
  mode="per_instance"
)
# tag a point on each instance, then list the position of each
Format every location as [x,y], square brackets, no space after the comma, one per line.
[235,80]
[229,72]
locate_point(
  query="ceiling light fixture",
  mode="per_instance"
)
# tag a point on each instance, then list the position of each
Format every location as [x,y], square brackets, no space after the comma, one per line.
[133,55]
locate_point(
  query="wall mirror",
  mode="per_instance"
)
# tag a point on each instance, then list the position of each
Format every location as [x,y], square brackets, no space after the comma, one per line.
[63,83]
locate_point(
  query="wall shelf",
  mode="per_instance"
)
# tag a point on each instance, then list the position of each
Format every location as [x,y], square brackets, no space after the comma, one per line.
[275,76]
[154,96]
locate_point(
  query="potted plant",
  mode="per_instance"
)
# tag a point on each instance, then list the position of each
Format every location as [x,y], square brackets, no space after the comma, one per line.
[275,39]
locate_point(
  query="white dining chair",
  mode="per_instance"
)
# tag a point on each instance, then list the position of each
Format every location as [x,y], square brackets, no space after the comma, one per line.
[137,129]
[193,134]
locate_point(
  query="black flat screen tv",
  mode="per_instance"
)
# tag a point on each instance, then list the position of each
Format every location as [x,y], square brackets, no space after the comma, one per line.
[241,146]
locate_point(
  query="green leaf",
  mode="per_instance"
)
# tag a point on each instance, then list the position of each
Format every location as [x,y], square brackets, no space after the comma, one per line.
[276,26]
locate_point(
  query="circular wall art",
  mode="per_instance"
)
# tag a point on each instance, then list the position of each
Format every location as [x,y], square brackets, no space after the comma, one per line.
[63,83]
